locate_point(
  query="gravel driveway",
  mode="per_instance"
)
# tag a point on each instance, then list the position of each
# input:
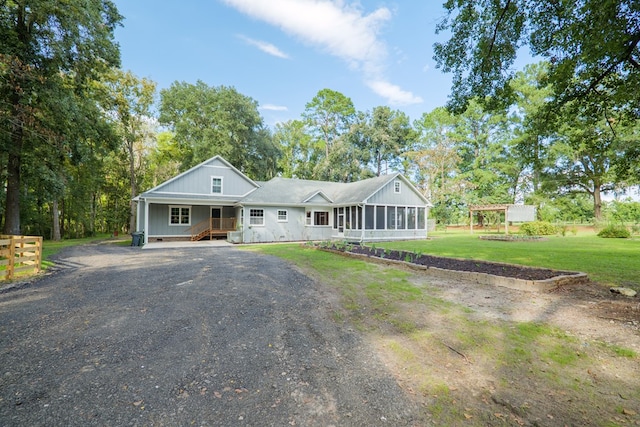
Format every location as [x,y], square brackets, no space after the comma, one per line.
[188,336]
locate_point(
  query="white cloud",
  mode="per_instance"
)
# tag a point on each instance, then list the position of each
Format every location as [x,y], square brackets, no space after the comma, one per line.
[272,107]
[340,28]
[394,94]
[265,47]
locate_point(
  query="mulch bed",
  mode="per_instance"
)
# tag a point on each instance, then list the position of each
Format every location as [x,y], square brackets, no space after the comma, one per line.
[476,266]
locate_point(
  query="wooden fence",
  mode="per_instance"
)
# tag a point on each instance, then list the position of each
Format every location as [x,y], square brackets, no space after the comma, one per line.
[19,254]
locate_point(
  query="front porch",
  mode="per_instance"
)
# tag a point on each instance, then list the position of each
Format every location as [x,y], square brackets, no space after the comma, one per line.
[211,228]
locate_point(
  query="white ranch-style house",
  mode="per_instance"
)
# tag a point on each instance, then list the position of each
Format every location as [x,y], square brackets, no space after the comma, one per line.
[214,199]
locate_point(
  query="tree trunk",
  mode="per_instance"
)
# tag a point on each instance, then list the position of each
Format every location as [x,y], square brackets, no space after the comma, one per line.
[597,203]
[92,215]
[56,221]
[536,166]
[12,206]
[134,188]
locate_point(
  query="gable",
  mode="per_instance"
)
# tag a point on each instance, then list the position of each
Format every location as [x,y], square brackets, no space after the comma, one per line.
[317,197]
[197,181]
[397,191]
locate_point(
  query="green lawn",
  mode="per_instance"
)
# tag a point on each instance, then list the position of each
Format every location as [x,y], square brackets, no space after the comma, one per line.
[451,359]
[607,261]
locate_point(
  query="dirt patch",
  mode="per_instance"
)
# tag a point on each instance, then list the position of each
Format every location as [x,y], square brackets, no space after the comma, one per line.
[477,354]
[490,359]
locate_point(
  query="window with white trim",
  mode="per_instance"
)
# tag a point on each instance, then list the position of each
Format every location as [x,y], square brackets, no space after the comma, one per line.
[283,215]
[179,215]
[216,185]
[317,218]
[397,186]
[256,216]
[321,218]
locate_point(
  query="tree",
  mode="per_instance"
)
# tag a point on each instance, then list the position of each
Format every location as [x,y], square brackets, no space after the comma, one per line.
[437,163]
[591,46]
[585,152]
[132,100]
[534,125]
[208,121]
[163,160]
[298,155]
[50,52]
[328,116]
[383,136]
[486,160]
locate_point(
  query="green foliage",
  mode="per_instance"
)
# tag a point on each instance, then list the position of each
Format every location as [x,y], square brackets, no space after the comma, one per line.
[538,228]
[51,55]
[208,121]
[623,211]
[329,120]
[487,35]
[132,99]
[382,136]
[618,231]
[299,154]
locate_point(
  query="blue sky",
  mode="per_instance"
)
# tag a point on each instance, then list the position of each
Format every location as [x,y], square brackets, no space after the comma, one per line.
[282,52]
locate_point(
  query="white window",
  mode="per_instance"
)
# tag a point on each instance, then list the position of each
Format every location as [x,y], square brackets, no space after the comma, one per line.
[397,185]
[216,185]
[308,217]
[282,216]
[256,216]
[179,215]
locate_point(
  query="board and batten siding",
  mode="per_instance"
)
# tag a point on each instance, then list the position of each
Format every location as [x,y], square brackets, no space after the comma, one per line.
[198,181]
[387,196]
[159,219]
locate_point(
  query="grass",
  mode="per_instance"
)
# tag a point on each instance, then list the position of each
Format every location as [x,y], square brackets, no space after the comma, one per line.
[611,262]
[441,350]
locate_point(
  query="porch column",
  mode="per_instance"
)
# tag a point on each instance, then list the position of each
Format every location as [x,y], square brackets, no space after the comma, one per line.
[362,223]
[145,230]
[506,221]
[471,220]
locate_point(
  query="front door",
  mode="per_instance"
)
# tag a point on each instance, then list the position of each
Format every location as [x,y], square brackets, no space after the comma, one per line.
[216,215]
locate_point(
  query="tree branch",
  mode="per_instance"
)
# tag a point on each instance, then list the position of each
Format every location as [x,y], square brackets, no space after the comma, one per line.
[626,57]
[495,32]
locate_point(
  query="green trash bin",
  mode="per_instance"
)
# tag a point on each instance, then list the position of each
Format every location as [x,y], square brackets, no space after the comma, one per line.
[137,238]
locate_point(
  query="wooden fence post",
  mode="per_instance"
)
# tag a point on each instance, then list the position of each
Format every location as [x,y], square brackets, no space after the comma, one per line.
[38,254]
[12,258]
[20,253]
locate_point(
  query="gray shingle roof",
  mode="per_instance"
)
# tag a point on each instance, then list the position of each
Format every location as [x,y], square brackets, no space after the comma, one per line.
[287,191]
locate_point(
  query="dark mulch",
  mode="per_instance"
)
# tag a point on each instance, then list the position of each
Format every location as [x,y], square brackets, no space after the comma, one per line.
[495,268]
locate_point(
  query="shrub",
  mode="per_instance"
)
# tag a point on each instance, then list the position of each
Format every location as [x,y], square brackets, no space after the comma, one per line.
[615,231]
[538,228]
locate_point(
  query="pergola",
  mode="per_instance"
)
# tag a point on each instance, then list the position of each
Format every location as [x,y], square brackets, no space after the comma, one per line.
[493,208]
